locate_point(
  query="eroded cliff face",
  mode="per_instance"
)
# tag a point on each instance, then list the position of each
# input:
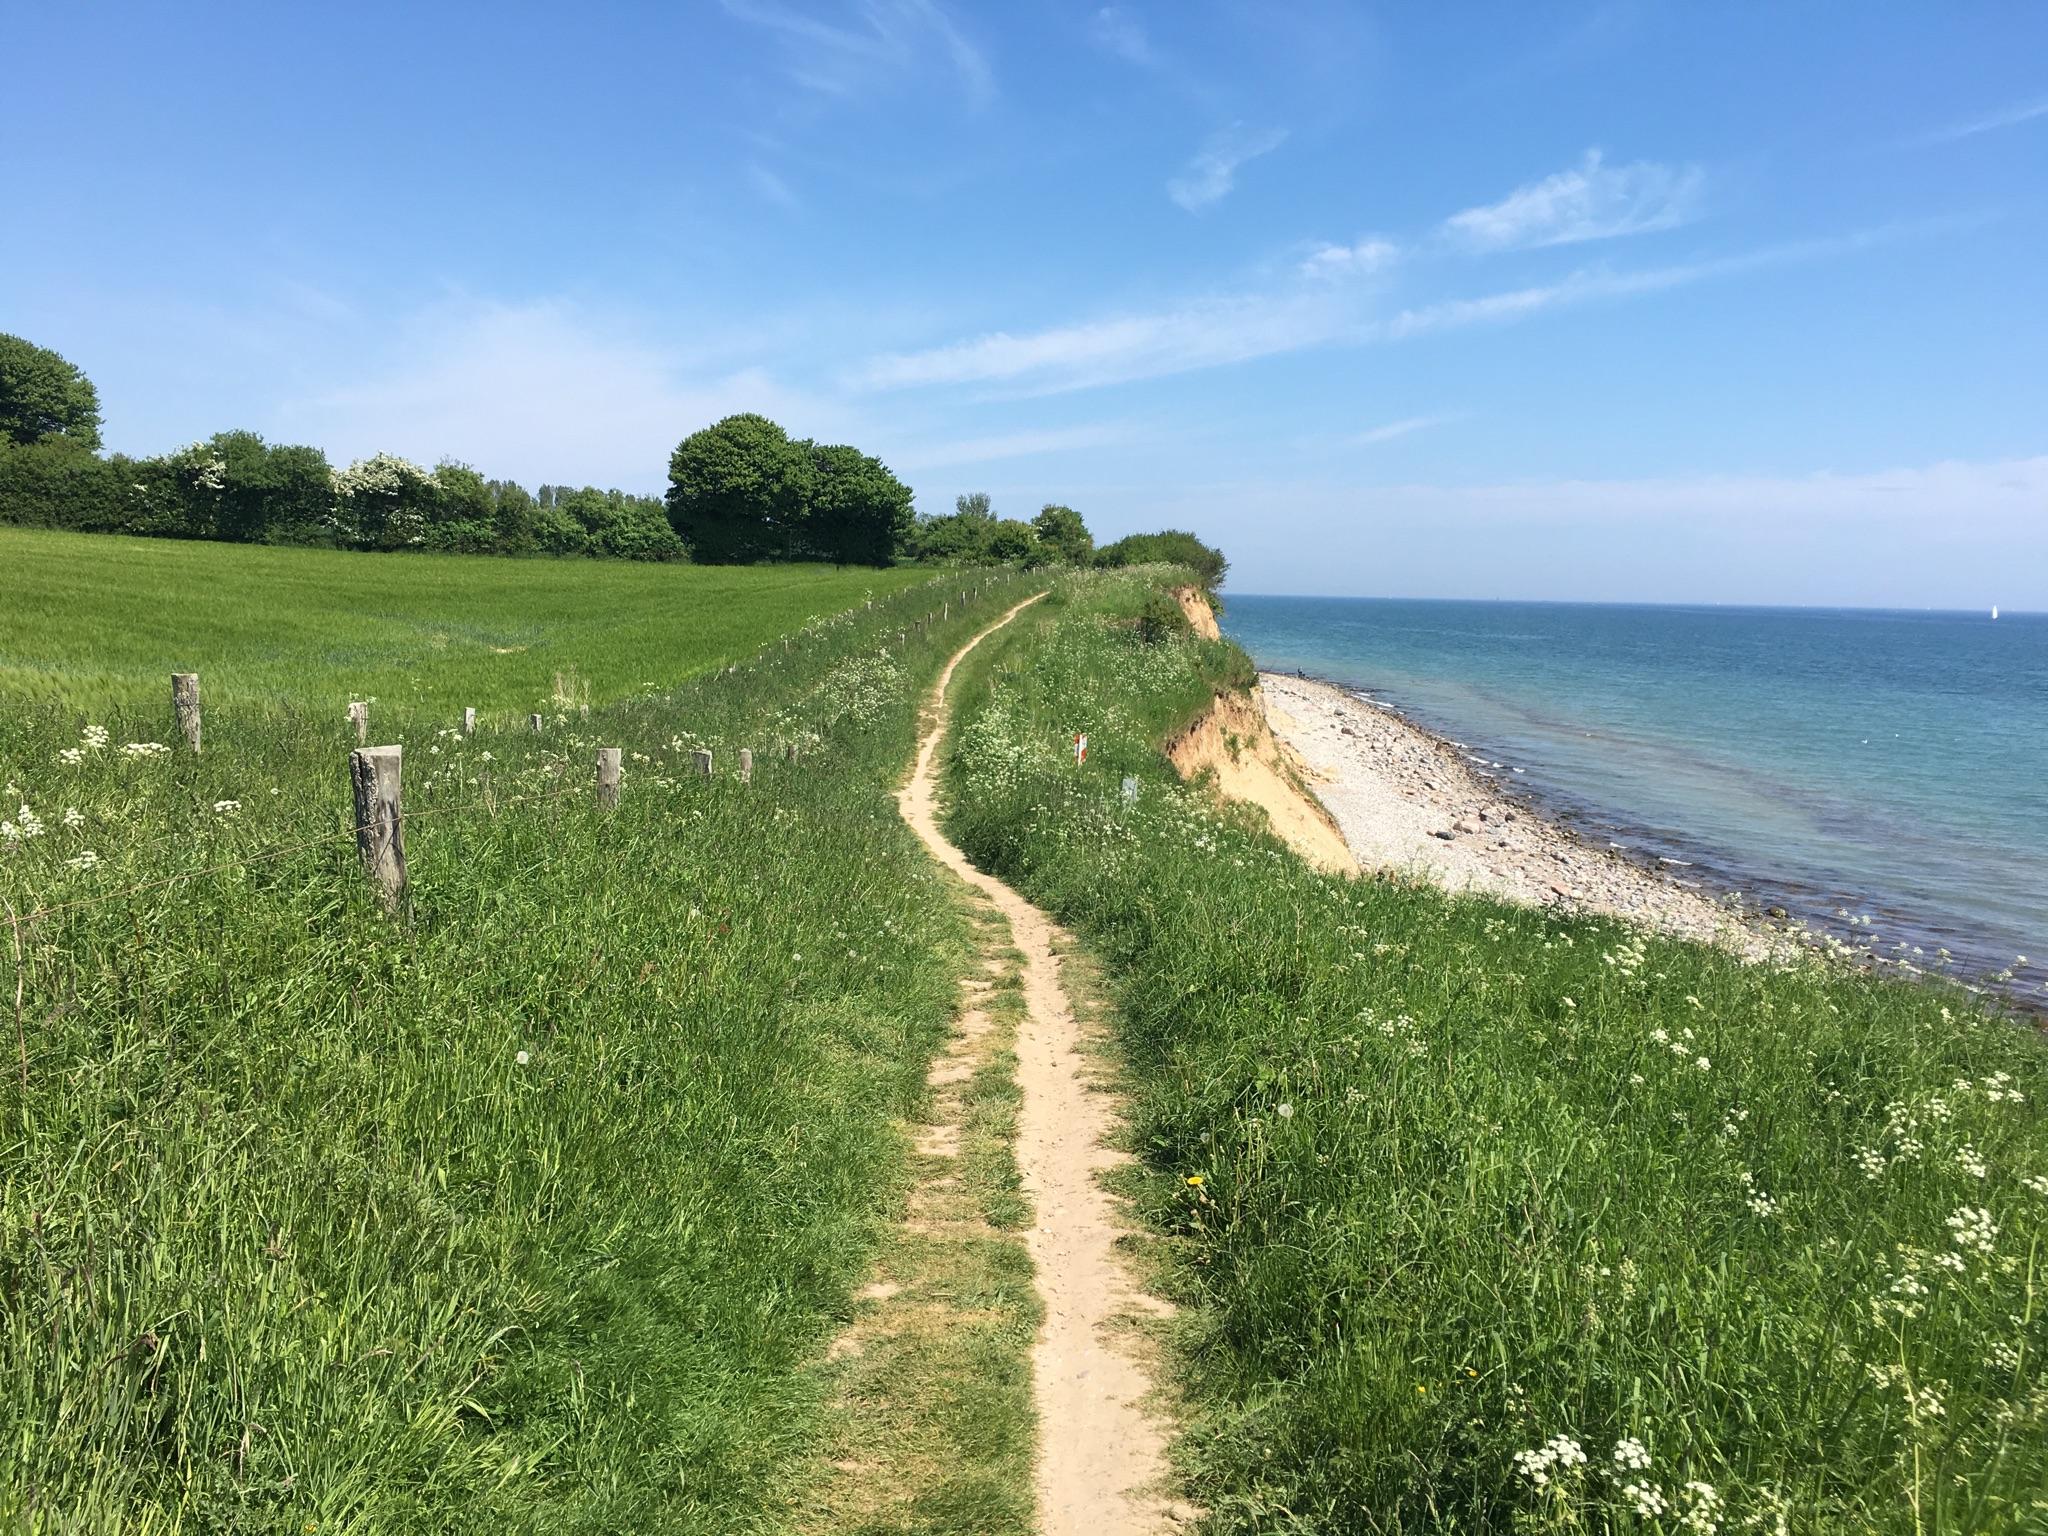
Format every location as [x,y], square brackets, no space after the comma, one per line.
[1233,743]
[1200,614]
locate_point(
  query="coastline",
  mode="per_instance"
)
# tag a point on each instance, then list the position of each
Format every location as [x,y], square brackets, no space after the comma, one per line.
[1408,802]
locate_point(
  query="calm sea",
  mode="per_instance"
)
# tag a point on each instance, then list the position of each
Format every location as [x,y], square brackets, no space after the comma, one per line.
[1889,764]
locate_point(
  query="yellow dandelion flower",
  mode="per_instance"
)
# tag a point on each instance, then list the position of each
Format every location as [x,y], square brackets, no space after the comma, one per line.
[1195,1179]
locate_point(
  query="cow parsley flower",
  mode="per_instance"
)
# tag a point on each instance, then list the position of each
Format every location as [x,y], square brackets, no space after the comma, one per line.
[1971,1227]
[227,807]
[1647,1502]
[1631,1455]
[85,860]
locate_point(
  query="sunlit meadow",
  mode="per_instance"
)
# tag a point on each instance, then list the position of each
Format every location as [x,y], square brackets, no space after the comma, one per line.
[1499,1219]
[527,1210]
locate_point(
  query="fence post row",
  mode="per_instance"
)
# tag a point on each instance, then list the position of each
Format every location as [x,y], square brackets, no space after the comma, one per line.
[359,713]
[607,776]
[185,705]
[373,774]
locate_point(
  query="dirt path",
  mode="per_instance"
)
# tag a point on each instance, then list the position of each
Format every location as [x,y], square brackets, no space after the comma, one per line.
[1101,1456]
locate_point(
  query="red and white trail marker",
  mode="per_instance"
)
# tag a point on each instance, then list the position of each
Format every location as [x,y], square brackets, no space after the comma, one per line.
[1080,748]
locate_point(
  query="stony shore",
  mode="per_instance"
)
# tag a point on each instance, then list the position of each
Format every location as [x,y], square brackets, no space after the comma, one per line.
[1409,802]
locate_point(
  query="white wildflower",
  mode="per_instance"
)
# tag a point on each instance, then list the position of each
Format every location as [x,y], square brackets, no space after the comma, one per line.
[1646,1500]
[74,817]
[226,807]
[1631,1454]
[522,1058]
[1971,1227]
[85,860]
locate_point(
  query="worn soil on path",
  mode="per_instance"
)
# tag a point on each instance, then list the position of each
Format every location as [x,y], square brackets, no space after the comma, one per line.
[1102,1455]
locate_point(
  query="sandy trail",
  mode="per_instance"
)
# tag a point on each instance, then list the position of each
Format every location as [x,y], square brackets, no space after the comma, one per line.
[1101,1457]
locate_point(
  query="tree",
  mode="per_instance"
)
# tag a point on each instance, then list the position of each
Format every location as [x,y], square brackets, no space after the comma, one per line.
[43,396]
[974,506]
[860,514]
[738,491]
[384,502]
[1171,547]
[58,483]
[1062,536]
[1012,541]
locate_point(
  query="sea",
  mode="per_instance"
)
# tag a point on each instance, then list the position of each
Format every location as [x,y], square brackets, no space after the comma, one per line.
[1882,775]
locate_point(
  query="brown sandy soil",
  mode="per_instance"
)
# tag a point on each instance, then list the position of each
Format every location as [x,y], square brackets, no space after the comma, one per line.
[1102,1456]
[1232,742]
[1200,615]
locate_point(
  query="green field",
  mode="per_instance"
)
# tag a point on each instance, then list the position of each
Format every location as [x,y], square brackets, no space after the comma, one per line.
[96,621]
[531,1209]
[1488,1219]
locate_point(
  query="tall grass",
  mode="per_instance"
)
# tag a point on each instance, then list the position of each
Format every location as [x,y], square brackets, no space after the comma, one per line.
[522,1212]
[1496,1219]
[95,619]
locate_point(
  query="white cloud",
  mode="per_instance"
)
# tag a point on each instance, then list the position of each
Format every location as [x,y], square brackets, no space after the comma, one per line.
[1233,328]
[882,42]
[1117,30]
[2011,117]
[1212,173]
[1953,533]
[771,186]
[1011,445]
[537,392]
[1401,428]
[1592,201]
[1367,256]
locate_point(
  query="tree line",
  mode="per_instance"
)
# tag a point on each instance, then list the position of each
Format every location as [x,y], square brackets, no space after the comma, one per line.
[740,491]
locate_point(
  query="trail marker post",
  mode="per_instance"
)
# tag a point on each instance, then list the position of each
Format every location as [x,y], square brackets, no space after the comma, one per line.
[608,777]
[185,705]
[373,774]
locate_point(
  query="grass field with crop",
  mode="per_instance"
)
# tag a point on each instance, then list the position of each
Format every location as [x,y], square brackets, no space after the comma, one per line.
[98,621]
[1494,1219]
[530,1209]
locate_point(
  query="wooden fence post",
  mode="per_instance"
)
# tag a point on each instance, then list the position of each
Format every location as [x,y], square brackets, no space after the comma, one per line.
[185,705]
[789,751]
[702,759]
[469,722]
[607,776]
[533,721]
[380,830]
[359,712]
[746,765]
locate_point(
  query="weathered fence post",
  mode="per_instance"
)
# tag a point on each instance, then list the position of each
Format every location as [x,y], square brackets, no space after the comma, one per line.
[469,722]
[789,751]
[746,765]
[702,760]
[359,712]
[380,830]
[185,705]
[608,776]
[533,722]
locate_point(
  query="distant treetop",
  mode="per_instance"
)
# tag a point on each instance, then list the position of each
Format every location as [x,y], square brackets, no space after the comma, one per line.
[43,396]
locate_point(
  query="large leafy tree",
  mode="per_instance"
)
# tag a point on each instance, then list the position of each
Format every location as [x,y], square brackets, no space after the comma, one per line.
[860,514]
[739,491]
[1173,546]
[1062,536]
[43,396]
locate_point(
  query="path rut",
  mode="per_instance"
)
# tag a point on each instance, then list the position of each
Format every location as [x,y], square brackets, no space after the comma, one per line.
[1102,1456]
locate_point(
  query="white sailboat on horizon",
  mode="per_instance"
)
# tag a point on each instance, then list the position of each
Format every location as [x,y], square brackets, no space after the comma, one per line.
[1994,610]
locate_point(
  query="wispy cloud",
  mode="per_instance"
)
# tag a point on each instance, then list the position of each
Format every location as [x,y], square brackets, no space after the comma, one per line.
[1298,315]
[1209,177]
[771,186]
[880,41]
[1012,445]
[1401,428]
[1591,201]
[1117,30]
[1372,254]
[538,391]
[2011,117]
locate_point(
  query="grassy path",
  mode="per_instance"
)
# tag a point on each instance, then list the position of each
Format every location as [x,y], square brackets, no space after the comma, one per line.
[1101,1459]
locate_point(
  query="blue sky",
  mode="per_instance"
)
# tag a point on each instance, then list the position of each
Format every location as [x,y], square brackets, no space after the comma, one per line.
[1623,302]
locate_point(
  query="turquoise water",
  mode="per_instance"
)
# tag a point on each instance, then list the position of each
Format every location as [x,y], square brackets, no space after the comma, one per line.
[1893,764]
